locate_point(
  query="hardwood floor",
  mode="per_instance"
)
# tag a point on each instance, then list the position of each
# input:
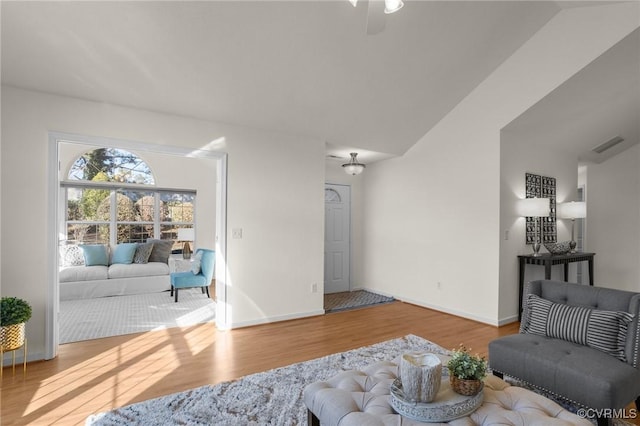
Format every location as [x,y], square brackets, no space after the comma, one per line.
[98,375]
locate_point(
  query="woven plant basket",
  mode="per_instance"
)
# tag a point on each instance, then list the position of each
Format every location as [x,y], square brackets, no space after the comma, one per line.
[11,337]
[465,387]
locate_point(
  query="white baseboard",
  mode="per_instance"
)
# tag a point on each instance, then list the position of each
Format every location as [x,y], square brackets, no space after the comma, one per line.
[508,320]
[37,356]
[452,312]
[276,319]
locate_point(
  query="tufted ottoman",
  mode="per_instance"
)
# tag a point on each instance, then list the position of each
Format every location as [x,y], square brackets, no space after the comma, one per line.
[361,398]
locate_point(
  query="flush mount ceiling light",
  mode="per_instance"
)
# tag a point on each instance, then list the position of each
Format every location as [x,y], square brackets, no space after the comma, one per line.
[390,6]
[353,167]
[377,11]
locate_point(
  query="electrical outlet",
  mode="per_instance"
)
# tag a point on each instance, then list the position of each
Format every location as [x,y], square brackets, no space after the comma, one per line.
[236,233]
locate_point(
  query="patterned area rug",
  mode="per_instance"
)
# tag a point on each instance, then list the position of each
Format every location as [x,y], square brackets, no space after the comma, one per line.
[270,398]
[114,316]
[343,301]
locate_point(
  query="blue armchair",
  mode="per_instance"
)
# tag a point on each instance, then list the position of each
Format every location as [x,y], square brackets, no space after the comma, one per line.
[202,279]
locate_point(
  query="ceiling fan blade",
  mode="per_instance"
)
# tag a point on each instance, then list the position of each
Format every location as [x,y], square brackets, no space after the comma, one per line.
[375,17]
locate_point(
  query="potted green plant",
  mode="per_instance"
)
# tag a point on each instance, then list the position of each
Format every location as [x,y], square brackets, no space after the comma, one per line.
[14,313]
[466,371]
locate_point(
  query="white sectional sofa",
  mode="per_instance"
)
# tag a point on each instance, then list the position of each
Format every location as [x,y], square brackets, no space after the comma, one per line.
[78,281]
[89,282]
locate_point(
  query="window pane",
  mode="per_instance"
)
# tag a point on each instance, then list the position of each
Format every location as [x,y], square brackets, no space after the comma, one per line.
[177,207]
[170,232]
[111,165]
[87,204]
[84,233]
[135,206]
[134,233]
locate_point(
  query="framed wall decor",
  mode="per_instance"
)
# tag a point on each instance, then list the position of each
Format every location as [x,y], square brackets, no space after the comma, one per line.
[537,186]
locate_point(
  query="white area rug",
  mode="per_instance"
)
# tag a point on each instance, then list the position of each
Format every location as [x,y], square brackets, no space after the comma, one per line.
[113,316]
[270,398]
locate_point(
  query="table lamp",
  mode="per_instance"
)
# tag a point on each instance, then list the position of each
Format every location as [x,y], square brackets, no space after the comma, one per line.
[186,235]
[536,208]
[572,210]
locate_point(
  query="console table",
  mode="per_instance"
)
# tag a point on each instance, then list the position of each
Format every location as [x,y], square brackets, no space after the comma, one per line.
[548,260]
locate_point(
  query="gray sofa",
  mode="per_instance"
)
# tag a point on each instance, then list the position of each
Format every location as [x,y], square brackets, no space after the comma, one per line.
[576,341]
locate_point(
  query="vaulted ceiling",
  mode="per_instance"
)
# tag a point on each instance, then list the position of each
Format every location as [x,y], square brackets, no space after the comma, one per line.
[303,67]
[599,103]
[309,67]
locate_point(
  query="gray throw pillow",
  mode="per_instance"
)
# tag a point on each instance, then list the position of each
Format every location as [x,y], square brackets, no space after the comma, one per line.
[143,252]
[161,250]
[599,329]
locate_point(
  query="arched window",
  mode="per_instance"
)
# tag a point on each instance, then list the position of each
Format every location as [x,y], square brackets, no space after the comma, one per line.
[111,198]
[111,165]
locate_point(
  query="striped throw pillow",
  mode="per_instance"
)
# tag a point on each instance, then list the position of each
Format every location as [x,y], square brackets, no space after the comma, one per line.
[605,331]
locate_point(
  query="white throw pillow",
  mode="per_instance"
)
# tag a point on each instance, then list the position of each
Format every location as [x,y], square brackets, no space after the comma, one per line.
[197,261]
[71,255]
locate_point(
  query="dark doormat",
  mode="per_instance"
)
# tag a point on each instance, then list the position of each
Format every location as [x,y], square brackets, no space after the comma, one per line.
[343,301]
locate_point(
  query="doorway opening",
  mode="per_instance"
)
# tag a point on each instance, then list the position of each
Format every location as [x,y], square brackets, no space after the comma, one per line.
[216,181]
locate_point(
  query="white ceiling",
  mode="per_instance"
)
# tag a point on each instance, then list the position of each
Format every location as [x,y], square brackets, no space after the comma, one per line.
[598,103]
[302,67]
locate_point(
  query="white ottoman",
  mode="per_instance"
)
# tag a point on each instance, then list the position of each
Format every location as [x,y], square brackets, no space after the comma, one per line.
[361,398]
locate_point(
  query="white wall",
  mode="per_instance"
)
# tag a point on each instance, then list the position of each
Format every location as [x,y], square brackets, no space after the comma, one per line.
[516,159]
[613,220]
[433,215]
[275,193]
[335,174]
[170,171]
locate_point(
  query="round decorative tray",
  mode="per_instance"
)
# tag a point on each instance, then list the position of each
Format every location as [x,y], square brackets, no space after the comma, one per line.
[448,405]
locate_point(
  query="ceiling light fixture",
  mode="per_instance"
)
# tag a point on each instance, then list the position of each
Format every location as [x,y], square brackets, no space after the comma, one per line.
[391,6]
[353,167]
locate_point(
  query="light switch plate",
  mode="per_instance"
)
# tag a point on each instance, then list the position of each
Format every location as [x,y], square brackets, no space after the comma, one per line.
[236,233]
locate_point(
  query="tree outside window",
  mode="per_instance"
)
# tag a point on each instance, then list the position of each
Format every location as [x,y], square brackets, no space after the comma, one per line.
[118,208]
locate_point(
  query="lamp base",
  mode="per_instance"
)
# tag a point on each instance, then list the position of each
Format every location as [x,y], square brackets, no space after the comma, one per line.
[186,250]
[536,249]
[572,246]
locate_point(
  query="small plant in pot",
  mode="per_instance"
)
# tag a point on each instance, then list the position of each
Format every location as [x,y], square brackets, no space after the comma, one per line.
[466,371]
[14,313]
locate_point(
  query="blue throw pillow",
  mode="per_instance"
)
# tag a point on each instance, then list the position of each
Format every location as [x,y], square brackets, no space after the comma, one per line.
[124,253]
[95,254]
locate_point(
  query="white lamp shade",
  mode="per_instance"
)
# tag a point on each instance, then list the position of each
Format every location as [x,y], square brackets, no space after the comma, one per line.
[572,210]
[534,207]
[186,234]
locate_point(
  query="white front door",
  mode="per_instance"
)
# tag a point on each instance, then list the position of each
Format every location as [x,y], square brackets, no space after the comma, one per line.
[337,240]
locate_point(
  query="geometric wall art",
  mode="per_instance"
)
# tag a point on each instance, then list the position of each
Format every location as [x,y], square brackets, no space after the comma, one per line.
[537,186]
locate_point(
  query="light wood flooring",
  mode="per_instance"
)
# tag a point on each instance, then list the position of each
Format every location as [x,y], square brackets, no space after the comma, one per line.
[98,375]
